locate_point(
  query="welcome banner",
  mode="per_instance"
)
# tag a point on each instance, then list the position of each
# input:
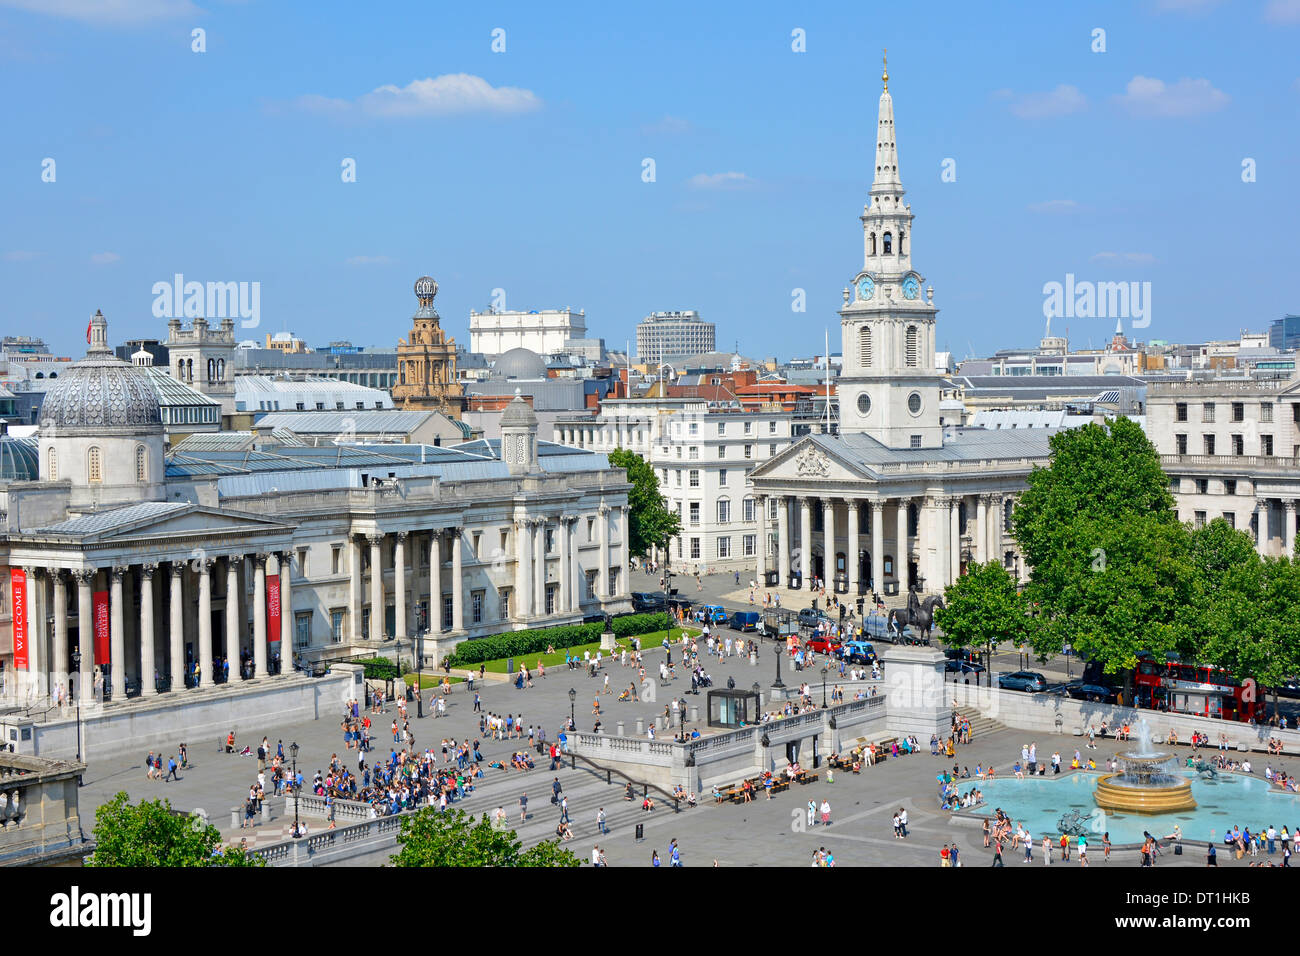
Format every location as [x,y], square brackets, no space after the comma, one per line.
[272,607]
[102,643]
[18,583]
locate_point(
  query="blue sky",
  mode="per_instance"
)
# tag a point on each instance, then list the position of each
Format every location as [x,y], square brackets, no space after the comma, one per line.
[522,170]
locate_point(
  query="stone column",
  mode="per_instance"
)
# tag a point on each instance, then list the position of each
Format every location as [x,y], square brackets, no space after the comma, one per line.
[376,586]
[59,666]
[458,583]
[354,586]
[805,540]
[878,547]
[435,583]
[901,569]
[287,624]
[148,665]
[234,624]
[624,548]
[176,628]
[1261,528]
[603,577]
[399,586]
[85,634]
[259,614]
[566,565]
[982,529]
[851,559]
[117,635]
[760,546]
[539,563]
[1288,515]
[828,541]
[523,568]
[205,625]
[783,541]
[954,529]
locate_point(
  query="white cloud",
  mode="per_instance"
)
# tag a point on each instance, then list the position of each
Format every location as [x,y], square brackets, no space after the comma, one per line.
[108,11]
[1147,96]
[432,96]
[1054,206]
[19,255]
[668,126]
[729,180]
[104,258]
[1062,101]
[368,261]
[1282,11]
[1137,258]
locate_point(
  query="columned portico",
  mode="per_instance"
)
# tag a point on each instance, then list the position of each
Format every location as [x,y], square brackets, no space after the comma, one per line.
[603,575]
[354,586]
[566,565]
[539,563]
[624,550]
[59,669]
[234,623]
[1288,516]
[828,545]
[85,633]
[760,549]
[204,568]
[457,582]
[117,634]
[435,583]
[286,612]
[954,539]
[523,567]
[982,529]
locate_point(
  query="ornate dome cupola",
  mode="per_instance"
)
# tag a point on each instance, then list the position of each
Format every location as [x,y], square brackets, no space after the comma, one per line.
[101,427]
[519,437]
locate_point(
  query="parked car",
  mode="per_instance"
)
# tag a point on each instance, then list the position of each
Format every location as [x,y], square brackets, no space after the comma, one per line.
[712,614]
[858,652]
[811,617]
[745,621]
[1023,680]
[643,601]
[957,665]
[1080,690]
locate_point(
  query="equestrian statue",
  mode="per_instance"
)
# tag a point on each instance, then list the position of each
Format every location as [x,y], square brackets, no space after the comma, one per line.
[918,613]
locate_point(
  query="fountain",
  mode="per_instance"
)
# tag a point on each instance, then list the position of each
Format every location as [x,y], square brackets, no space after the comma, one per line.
[1145,784]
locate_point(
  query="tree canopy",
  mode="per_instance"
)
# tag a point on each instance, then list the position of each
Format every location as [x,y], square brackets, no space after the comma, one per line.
[651,522]
[984,608]
[453,838]
[151,834]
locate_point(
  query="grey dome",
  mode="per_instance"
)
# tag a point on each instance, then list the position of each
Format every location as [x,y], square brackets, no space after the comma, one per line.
[520,363]
[518,414]
[101,391]
[19,459]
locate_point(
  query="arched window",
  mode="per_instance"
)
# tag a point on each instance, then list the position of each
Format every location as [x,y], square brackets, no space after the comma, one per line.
[180,370]
[212,370]
[52,465]
[40,374]
[913,339]
[221,370]
[141,464]
[94,467]
[864,346]
[889,243]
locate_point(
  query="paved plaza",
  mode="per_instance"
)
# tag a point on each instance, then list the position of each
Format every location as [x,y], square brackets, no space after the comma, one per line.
[760,833]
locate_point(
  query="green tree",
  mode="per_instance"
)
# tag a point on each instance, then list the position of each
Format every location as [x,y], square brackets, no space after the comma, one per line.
[984,608]
[152,834]
[454,838]
[651,522]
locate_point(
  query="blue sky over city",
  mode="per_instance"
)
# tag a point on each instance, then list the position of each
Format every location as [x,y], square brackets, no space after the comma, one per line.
[523,169]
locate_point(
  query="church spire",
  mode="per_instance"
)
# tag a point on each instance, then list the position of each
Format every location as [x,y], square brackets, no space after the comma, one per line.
[886,149]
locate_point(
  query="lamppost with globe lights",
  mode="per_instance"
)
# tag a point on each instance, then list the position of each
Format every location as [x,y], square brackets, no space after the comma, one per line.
[779,685]
[76,669]
[293,787]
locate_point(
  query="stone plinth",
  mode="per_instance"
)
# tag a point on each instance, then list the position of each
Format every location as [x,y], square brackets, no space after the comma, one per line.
[914,678]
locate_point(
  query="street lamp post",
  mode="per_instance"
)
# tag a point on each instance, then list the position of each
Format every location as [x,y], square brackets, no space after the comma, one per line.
[293,786]
[419,674]
[778,685]
[76,669]
[824,670]
[573,696]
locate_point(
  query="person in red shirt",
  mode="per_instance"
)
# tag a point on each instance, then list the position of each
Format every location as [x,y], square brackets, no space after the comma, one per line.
[944,859]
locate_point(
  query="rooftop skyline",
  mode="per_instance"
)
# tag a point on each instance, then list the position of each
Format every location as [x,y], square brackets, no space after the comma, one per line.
[516,178]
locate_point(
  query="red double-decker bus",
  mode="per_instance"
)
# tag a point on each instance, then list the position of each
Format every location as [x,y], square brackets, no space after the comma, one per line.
[1196,689]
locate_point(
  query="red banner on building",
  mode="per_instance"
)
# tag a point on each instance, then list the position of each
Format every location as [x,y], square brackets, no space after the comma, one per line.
[272,608]
[103,645]
[18,582]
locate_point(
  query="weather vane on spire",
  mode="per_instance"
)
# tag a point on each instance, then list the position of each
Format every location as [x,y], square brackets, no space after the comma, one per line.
[885,75]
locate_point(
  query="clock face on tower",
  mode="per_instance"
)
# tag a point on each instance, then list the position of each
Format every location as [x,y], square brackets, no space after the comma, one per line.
[866,287]
[911,288]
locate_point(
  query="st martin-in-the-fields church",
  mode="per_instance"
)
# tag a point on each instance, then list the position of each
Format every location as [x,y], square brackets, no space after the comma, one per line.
[898,497]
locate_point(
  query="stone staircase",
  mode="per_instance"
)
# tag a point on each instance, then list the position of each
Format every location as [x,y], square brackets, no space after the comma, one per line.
[983,726]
